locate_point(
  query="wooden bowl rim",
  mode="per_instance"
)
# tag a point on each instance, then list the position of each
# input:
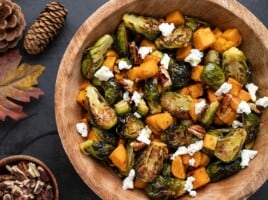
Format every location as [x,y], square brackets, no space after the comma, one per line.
[17,158]
[107,8]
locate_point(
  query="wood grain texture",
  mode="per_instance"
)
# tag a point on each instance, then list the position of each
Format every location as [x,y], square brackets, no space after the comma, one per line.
[222,13]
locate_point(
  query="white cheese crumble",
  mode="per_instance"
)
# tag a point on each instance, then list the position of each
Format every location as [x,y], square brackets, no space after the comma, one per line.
[144,51]
[192,162]
[223,89]
[262,102]
[165,61]
[237,124]
[252,89]
[136,114]
[104,73]
[144,135]
[189,186]
[126,96]
[128,182]
[166,28]
[195,147]
[195,57]
[180,151]
[198,108]
[243,107]
[136,97]
[81,128]
[124,65]
[246,156]
[191,149]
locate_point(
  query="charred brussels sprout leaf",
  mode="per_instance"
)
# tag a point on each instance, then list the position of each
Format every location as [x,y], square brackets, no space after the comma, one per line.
[251,123]
[180,74]
[151,95]
[103,115]
[165,188]
[228,147]
[146,26]
[94,56]
[176,104]
[176,135]
[213,75]
[122,107]
[210,113]
[131,127]
[112,91]
[97,149]
[180,37]
[121,40]
[194,23]
[212,56]
[235,66]
[220,170]
[150,163]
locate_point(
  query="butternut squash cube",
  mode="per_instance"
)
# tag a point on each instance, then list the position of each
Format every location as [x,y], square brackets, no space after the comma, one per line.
[210,141]
[119,157]
[177,168]
[175,17]
[203,38]
[201,177]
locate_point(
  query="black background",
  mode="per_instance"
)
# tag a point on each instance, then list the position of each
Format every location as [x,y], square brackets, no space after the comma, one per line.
[37,134]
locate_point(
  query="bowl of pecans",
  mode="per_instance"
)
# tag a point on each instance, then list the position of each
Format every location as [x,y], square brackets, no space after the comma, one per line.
[26,177]
[166,100]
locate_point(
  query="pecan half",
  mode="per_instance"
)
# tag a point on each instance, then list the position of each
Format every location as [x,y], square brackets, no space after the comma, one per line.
[197,130]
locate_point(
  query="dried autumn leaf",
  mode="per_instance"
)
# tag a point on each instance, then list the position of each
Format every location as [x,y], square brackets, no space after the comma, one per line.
[17,83]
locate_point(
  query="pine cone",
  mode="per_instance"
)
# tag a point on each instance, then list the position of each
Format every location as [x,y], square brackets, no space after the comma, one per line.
[12,24]
[45,28]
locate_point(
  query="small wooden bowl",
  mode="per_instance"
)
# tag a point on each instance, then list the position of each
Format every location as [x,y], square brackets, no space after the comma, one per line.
[224,14]
[14,159]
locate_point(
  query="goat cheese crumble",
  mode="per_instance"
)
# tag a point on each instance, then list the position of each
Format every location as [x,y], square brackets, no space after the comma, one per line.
[192,162]
[223,89]
[165,61]
[180,151]
[124,65]
[104,73]
[144,51]
[237,124]
[246,156]
[82,129]
[252,89]
[136,97]
[128,182]
[199,107]
[136,114]
[191,149]
[262,102]
[126,96]
[243,107]
[166,28]
[195,57]
[189,186]
[144,135]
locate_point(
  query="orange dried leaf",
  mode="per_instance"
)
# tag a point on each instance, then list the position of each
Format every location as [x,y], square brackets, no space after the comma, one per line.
[17,83]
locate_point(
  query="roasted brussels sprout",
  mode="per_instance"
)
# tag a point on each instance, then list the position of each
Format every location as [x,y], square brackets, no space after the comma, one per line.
[122,107]
[103,115]
[176,104]
[131,127]
[210,113]
[234,65]
[229,147]
[94,56]
[220,170]
[97,149]
[220,132]
[121,40]
[251,123]
[177,135]
[151,95]
[142,108]
[146,26]
[213,75]
[130,159]
[180,73]
[166,171]
[105,136]
[194,23]
[180,37]
[150,163]
[212,56]
[112,91]
[165,188]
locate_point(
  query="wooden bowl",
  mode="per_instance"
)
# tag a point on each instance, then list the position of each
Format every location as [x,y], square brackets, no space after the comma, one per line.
[224,14]
[15,159]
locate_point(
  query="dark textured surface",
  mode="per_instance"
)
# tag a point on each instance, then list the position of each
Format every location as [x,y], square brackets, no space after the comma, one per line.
[37,135]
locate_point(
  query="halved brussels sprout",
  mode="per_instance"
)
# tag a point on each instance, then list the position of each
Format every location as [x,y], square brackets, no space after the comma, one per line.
[151,95]
[131,127]
[213,75]
[121,40]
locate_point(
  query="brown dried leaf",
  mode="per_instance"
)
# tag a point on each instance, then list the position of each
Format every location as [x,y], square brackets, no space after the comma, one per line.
[16,83]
